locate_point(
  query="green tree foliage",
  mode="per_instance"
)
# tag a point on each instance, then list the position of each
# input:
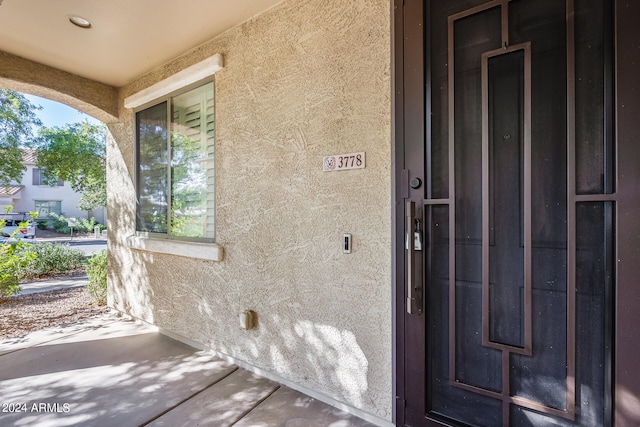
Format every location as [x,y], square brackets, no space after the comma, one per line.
[97,271]
[12,260]
[17,120]
[47,259]
[76,153]
[94,195]
[188,187]
[60,223]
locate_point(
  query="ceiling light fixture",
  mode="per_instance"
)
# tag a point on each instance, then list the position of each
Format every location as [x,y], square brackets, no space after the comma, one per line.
[79,21]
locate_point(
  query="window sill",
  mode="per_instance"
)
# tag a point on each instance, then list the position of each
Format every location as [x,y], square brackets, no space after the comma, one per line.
[207,251]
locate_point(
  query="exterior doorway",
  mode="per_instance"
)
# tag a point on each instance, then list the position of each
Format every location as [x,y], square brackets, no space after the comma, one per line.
[507,205]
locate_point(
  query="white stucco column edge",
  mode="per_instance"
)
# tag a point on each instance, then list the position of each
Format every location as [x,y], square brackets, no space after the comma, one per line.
[179,80]
[206,251]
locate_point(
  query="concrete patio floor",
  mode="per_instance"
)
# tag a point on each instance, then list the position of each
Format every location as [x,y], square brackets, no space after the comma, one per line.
[113,372]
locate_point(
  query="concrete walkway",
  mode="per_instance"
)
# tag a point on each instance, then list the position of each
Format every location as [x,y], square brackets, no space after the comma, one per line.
[52,284]
[113,372]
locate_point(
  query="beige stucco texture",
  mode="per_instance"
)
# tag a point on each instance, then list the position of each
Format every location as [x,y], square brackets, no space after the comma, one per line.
[306,79]
[93,98]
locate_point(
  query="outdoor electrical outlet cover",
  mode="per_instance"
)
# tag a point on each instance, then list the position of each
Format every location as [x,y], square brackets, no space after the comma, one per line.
[248,319]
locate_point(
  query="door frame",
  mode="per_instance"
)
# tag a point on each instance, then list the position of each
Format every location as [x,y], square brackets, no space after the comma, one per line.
[626,104]
[627,130]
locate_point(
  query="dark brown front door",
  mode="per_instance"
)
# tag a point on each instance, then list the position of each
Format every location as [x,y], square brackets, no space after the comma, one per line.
[506,212]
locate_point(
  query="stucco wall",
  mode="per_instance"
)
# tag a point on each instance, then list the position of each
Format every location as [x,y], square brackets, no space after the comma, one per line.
[93,98]
[306,79]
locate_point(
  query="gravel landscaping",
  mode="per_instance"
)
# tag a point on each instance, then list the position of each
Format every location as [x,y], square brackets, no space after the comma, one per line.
[22,314]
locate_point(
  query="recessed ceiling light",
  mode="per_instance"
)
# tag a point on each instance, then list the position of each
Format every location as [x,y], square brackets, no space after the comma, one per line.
[79,21]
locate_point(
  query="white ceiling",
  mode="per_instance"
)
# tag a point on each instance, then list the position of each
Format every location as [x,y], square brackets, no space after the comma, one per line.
[127,37]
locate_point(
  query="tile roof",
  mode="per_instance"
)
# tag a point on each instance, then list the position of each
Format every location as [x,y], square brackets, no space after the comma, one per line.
[29,156]
[10,190]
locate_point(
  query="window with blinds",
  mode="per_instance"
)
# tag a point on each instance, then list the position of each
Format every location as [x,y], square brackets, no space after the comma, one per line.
[39,179]
[176,166]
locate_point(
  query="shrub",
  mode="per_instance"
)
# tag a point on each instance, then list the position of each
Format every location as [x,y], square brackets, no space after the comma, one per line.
[87,225]
[58,223]
[49,258]
[97,271]
[8,285]
[61,225]
[13,259]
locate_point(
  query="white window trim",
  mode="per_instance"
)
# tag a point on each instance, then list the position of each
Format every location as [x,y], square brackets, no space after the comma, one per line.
[177,81]
[197,250]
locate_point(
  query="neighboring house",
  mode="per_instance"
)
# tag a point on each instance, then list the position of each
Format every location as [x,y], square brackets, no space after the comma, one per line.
[491,276]
[33,195]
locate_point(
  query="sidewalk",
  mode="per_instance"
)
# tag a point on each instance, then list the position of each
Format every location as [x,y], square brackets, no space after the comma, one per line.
[52,284]
[108,371]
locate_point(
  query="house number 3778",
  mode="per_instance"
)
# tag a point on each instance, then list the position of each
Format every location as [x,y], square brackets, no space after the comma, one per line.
[343,162]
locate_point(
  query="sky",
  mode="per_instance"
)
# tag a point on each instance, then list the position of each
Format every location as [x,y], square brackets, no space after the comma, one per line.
[55,114]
